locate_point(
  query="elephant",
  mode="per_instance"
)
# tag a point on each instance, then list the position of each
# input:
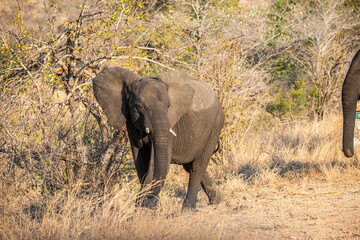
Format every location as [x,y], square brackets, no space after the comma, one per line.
[171,118]
[349,96]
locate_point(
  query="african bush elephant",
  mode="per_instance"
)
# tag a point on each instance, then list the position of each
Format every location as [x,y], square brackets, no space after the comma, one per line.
[172,118]
[350,95]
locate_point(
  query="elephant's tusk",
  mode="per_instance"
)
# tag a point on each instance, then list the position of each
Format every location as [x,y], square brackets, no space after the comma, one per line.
[147,130]
[172,132]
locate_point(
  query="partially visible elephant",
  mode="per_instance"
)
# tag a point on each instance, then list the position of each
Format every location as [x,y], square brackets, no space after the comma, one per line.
[171,118]
[350,95]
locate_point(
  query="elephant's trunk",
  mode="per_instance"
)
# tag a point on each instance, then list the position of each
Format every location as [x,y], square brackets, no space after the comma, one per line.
[349,96]
[162,151]
[349,111]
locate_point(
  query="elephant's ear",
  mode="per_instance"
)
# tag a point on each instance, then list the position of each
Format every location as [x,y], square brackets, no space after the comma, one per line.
[180,94]
[109,90]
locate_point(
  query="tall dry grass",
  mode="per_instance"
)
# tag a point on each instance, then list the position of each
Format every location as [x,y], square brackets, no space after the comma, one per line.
[281,160]
[290,150]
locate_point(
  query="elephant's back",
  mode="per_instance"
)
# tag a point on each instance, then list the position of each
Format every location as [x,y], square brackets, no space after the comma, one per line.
[204,96]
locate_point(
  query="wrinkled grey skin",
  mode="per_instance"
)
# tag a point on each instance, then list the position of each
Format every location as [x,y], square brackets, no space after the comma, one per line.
[150,107]
[350,95]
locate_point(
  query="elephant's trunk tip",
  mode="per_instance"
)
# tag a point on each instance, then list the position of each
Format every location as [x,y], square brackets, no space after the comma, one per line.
[348,153]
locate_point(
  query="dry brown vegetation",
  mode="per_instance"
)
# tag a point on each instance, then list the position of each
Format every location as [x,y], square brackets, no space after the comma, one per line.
[293,184]
[278,70]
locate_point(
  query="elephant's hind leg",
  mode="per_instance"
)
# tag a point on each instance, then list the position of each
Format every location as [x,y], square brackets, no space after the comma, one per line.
[199,177]
[214,194]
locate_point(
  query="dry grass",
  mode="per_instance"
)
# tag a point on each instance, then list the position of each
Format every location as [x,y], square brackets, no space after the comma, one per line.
[291,181]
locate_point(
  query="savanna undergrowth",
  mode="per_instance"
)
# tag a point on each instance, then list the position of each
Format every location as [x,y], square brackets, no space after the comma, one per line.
[65,173]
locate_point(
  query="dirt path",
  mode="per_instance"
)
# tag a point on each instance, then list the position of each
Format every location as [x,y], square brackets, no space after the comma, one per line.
[317,211]
[322,215]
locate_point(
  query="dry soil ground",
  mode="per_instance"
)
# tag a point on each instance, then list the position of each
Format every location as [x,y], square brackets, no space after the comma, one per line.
[312,210]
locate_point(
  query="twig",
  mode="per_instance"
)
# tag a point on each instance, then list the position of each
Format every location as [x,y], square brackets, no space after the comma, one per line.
[309,194]
[142,58]
[34,80]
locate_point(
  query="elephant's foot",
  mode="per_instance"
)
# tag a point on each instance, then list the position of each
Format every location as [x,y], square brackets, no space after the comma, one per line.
[150,202]
[215,197]
[189,205]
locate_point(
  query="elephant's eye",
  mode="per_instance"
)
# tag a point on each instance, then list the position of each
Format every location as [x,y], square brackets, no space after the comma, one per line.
[135,105]
[138,106]
[136,114]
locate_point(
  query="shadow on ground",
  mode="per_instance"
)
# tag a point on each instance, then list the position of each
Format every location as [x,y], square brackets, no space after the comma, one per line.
[293,169]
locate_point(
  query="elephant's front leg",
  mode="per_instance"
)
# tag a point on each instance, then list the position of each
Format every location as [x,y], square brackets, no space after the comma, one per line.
[196,172]
[144,165]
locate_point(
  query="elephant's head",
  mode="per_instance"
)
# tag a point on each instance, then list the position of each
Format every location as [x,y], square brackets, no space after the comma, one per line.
[350,95]
[153,105]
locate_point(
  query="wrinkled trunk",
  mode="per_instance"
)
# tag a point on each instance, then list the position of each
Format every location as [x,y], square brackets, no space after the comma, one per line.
[349,111]
[350,95]
[161,147]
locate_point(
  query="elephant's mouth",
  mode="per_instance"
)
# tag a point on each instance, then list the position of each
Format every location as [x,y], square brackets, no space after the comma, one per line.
[145,138]
[142,139]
